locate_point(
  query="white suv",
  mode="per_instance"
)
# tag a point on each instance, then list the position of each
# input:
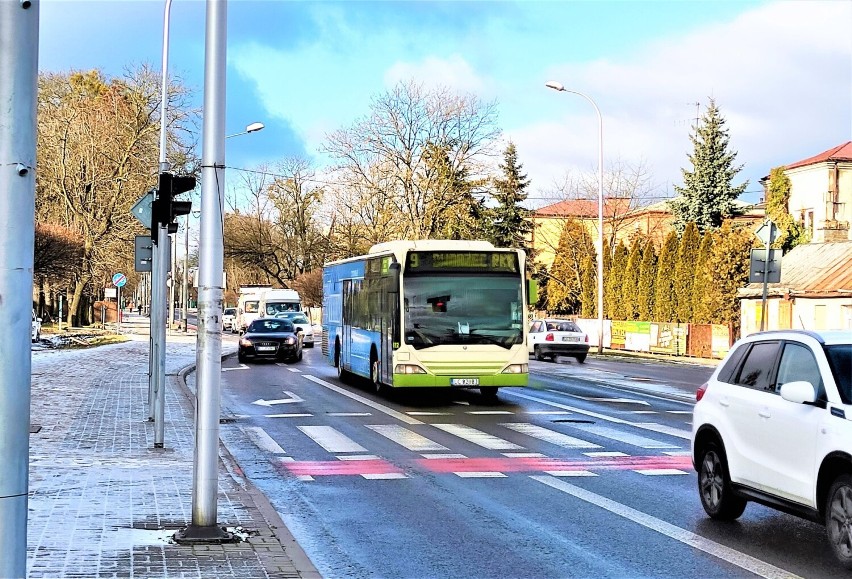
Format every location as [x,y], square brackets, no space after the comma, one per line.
[774,425]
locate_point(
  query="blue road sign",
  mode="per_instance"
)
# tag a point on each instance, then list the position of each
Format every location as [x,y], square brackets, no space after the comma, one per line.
[119,279]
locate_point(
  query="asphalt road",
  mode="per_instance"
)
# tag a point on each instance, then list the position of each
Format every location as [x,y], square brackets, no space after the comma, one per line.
[586,473]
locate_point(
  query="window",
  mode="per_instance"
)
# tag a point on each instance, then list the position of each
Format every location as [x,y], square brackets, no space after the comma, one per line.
[536,327]
[729,369]
[758,366]
[798,363]
[251,307]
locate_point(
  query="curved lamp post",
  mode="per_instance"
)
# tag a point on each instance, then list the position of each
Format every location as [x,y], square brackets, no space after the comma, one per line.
[559,87]
[252,128]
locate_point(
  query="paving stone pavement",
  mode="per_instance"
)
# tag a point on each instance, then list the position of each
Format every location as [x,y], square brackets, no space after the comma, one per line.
[103,502]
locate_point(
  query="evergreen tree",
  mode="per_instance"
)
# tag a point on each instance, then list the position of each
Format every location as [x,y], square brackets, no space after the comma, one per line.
[612,292]
[630,282]
[684,274]
[790,233]
[589,290]
[664,300]
[565,283]
[607,268]
[729,264]
[703,280]
[647,277]
[510,222]
[707,195]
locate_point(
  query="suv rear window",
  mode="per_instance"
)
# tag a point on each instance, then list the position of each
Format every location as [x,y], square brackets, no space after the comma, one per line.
[840,360]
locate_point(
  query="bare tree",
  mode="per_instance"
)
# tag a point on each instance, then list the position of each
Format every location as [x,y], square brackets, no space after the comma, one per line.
[391,155]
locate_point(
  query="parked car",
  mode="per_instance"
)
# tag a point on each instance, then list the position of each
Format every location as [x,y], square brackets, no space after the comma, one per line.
[271,339]
[550,338]
[35,336]
[773,425]
[303,324]
[229,319]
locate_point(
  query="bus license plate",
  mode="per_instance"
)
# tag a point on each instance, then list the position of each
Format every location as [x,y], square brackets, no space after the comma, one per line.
[464,382]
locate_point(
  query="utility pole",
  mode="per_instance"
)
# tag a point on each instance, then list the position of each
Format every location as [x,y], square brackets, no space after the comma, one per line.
[18,101]
[205,482]
[185,296]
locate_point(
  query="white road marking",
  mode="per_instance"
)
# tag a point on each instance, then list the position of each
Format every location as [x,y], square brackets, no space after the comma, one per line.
[443,455]
[406,438]
[660,471]
[359,457]
[291,400]
[480,474]
[641,411]
[302,477]
[679,412]
[550,436]
[331,440]
[487,412]
[262,440]
[366,401]
[684,434]
[384,476]
[349,414]
[478,437]
[240,367]
[523,454]
[419,413]
[570,473]
[604,454]
[622,436]
[615,400]
[461,402]
[741,560]
[295,370]
[677,452]
[296,415]
[548,412]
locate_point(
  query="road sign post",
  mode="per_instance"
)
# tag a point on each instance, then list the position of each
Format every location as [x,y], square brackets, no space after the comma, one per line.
[118,280]
[767,233]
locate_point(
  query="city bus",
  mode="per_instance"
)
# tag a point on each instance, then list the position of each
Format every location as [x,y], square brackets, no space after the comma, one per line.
[429,313]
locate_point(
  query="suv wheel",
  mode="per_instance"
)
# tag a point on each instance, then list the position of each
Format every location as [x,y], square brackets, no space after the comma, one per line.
[714,486]
[838,519]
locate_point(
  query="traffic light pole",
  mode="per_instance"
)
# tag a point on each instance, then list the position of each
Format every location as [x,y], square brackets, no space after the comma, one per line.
[18,97]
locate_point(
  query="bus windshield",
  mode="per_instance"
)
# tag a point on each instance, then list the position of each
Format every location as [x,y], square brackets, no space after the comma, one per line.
[462,309]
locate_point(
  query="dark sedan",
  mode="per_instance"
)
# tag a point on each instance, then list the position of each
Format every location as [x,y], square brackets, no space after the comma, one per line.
[270,339]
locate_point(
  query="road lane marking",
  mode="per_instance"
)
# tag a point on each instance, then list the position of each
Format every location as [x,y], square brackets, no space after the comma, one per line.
[349,414]
[660,471]
[359,457]
[741,560]
[440,456]
[384,476]
[406,438]
[622,436]
[262,440]
[478,437]
[331,440]
[608,454]
[523,455]
[423,413]
[487,412]
[292,399]
[550,436]
[295,415]
[366,401]
[613,400]
[570,473]
[547,412]
[480,474]
[240,367]
[678,433]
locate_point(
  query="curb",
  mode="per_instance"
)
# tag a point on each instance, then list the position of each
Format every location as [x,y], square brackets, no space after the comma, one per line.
[302,563]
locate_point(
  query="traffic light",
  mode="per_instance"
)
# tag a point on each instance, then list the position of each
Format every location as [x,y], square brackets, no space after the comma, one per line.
[164,209]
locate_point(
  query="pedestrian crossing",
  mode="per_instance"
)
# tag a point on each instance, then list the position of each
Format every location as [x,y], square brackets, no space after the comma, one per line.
[590,458]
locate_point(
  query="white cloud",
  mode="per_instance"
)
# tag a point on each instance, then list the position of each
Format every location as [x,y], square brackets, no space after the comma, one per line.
[453,72]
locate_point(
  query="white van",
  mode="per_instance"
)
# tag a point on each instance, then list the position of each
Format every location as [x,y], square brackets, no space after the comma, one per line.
[248,306]
[279,301]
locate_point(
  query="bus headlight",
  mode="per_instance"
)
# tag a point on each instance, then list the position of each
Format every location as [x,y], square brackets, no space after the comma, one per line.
[517,369]
[408,369]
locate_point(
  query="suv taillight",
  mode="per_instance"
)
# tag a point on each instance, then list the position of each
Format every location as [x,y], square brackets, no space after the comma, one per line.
[699,394]
[548,338]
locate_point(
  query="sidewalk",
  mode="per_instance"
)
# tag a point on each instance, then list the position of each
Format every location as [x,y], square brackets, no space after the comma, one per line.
[104,503]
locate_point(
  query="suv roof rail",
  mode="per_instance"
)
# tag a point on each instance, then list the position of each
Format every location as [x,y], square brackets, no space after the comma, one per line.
[815,335]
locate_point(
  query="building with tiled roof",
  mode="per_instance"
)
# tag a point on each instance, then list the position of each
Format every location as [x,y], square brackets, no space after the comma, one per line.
[821,193]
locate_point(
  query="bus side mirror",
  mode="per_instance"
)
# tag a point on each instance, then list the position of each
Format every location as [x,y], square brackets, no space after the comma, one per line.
[394,270]
[532,291]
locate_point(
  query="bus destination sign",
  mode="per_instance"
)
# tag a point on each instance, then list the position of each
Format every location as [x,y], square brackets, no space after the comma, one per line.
[461,261]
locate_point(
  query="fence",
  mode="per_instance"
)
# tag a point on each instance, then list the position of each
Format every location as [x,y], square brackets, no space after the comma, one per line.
[695,340]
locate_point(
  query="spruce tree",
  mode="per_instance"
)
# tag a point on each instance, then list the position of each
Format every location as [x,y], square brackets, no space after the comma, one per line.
[703,279]
[684,274]
[630,282]
[664,300]
[510,221]
[708,195]
[612,292]
[647,277]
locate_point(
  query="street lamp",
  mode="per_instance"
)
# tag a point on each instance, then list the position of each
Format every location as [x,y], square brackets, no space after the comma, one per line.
[559,87]
[252,128]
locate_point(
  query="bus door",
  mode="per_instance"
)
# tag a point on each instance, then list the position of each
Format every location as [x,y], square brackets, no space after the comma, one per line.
[345,325]
[390,321]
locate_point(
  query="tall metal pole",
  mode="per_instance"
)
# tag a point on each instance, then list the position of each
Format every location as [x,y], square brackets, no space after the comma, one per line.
[558,86]
[18,93]
[159,266]
[210,291]
[172,289]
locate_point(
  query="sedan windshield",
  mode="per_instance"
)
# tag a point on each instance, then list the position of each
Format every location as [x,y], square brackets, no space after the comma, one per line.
[463,309]
[270,326]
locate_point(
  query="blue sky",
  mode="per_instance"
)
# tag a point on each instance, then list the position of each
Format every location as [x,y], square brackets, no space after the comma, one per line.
[781,72]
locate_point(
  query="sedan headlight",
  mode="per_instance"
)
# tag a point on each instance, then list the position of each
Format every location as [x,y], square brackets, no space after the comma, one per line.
[246,343]
[408,369]
[291,340]
[517,369]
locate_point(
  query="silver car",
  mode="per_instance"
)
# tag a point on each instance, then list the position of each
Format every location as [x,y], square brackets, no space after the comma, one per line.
[302,324]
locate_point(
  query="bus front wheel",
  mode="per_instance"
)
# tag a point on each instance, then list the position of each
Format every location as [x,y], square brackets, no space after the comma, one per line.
[375,374]
[342,374]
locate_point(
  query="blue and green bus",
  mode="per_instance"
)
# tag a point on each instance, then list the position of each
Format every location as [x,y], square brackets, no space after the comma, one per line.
[429,313]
